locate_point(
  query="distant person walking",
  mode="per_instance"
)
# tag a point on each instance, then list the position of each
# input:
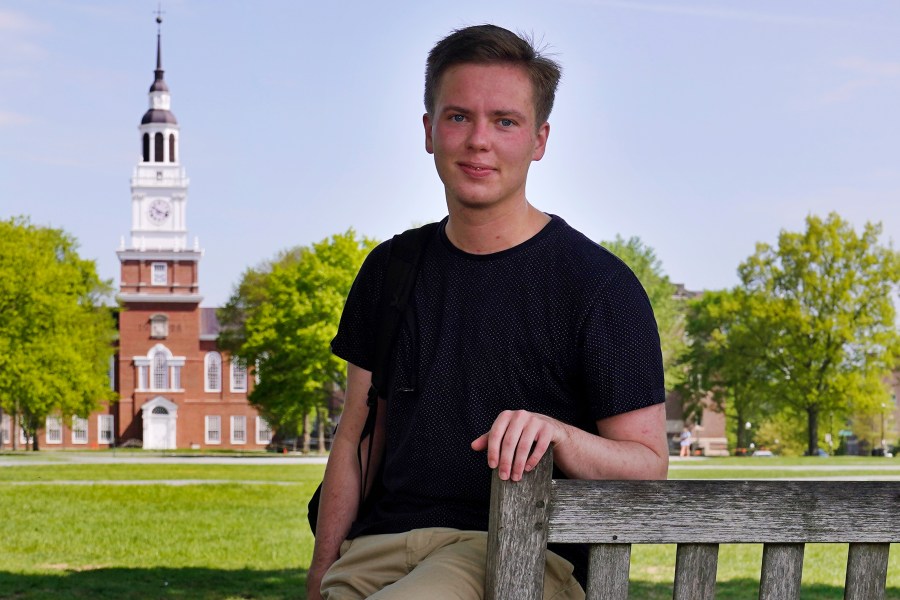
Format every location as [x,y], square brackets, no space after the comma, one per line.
[686,440]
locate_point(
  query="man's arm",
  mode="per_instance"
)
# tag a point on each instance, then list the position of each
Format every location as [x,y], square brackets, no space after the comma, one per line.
[340,488]
[630,445]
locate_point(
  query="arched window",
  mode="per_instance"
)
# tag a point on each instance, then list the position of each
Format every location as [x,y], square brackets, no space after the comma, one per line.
[160,410]
[171,147]
[158,147]
[213,372]
[160,380]
[238,375]
[146,145]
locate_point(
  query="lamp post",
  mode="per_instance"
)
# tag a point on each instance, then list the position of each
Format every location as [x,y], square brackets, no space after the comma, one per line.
[883,448]
[747,426]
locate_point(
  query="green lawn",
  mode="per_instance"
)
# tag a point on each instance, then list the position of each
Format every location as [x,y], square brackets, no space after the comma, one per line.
[104,532]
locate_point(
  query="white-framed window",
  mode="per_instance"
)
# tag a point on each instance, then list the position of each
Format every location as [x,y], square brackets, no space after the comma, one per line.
[160,374]
[105,429]
[263,431]
[79,430]
[213,429]
[54,430]
[238,430]
[159,273]
[213,379]
[5,429]
[23,439]
[238,375]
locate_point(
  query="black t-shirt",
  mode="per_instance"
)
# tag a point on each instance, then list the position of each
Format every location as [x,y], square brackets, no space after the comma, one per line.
[556,325]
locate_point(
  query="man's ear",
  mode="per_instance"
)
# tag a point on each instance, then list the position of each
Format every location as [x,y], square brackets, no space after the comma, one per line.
[540,141]
[429,143]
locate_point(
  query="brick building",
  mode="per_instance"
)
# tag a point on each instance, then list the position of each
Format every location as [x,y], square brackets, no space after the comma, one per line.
[176,389]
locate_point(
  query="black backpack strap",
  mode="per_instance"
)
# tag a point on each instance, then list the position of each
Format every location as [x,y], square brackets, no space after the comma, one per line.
[405,257]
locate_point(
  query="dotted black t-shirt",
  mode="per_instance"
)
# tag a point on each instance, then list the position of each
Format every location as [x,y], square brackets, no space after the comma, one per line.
[556,325]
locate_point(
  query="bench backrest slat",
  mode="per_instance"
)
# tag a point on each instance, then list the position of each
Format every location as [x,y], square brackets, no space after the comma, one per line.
[720,512]
[866,571]
[782,568]
[695,571]
[610,564]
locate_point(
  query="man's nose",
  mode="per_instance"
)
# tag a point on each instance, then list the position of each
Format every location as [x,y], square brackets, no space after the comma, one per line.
[479,135]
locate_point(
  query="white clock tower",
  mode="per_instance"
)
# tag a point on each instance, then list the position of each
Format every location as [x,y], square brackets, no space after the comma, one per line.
[159,262]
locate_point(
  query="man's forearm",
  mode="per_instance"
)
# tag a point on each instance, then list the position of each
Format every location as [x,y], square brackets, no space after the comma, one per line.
[589,456]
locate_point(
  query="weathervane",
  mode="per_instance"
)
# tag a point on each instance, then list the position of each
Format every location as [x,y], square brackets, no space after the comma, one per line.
[159,13]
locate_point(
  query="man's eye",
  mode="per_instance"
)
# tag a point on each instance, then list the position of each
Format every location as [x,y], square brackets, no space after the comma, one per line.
[458,118]
[506,122]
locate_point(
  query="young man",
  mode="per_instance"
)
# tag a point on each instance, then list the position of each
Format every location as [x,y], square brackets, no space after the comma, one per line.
[523,334]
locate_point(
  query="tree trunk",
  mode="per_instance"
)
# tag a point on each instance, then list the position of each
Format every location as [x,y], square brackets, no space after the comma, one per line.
[812,414]
[321,415]
[306,433]
[15,429]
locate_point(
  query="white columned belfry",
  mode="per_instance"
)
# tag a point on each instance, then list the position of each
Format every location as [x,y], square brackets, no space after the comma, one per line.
[159,188]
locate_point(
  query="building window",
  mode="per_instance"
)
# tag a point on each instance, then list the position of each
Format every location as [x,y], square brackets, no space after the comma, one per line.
[238,375]
[159,326]
[214,429]
[146,147]
[112,371]
[54,430]
[5,429]
[105,425]
[159,274]
[158,147]
[160,372]
[171,147]
[238,430]
[23,439]
[79,430]
[263,431]
[213,372]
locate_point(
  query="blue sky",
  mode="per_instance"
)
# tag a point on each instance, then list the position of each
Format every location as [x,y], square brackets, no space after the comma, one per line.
[702,127]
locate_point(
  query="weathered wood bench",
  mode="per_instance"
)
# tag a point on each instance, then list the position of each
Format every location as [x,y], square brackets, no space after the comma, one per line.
[695,515]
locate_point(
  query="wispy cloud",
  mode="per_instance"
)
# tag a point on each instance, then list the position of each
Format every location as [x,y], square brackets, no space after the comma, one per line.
[11,119]
[866,74]
[714,12]
[13,22]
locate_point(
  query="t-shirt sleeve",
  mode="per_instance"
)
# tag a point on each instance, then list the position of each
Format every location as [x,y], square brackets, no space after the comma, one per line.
[622,359]
[355,339]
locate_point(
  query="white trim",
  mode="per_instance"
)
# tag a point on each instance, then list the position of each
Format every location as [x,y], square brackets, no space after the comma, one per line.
[53,425]
[161,298]
[183,255]
[75,422]
[206,429]
[259,429]
[234,420]
[151,421]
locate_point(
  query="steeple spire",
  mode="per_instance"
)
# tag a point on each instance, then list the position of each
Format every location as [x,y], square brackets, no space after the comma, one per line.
[159,84]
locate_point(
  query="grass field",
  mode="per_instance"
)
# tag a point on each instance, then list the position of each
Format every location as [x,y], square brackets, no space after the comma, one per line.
[237,531]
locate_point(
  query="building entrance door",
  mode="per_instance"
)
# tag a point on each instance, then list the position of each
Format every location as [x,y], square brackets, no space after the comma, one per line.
[159,424]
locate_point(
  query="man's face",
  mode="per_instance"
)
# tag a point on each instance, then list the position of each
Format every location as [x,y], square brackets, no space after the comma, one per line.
[483,134]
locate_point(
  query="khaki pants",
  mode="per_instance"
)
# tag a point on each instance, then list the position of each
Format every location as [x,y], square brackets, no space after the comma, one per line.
[427,564]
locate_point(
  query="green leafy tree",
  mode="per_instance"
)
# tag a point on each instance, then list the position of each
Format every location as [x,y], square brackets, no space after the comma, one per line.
[667,309]
[726,360]
[282,317]
[56,337]
[826,296]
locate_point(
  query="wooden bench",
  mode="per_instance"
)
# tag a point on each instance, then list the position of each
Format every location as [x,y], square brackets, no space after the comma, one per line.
[695,515]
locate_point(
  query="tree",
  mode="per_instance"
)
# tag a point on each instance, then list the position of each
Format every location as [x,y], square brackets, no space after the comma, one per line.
[726,359]
[826,296]
[282,317]
[668,311]
[56,336]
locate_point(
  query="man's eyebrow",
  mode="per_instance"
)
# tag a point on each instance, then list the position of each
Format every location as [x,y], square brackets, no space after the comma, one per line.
[509,112]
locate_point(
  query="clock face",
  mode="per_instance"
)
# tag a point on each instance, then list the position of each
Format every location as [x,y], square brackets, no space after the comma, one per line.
[159,210]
